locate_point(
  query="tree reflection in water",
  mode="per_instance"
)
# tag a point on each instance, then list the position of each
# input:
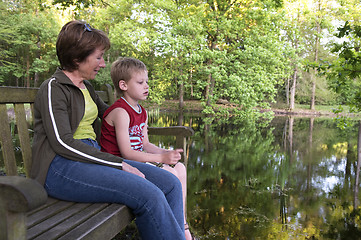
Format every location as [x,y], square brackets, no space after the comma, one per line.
[288,178]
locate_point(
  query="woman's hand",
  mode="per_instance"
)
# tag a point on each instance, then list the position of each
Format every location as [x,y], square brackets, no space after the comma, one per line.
[172,156]
[126,167]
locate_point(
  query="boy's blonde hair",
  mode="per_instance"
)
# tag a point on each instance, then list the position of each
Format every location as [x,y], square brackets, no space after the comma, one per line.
[123,68]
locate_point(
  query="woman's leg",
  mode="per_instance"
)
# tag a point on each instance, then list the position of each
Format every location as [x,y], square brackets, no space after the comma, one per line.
[152,175]
[155,205]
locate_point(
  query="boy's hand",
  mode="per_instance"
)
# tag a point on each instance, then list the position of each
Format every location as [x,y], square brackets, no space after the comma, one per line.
[172,156]
[130,169]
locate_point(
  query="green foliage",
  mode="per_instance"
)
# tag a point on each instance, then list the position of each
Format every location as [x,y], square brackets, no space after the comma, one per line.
[344,72]
[241,51]
[29,45]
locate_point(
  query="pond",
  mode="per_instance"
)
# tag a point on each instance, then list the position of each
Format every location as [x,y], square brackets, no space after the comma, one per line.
[287,178]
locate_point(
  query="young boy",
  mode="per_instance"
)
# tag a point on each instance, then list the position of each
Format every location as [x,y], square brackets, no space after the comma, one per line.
[124,129]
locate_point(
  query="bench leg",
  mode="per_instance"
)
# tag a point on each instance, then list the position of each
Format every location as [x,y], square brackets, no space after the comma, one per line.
[12,225]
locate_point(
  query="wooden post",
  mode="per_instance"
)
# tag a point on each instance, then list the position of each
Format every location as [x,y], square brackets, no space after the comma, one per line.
[24,138]
[6,142]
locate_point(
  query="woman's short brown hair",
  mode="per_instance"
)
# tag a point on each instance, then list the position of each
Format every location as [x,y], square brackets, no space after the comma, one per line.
[123,68]
[76,41]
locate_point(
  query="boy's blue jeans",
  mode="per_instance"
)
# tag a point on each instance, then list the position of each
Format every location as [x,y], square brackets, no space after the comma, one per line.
[155,201]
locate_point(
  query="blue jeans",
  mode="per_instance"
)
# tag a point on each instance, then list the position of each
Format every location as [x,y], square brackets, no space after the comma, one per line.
[155,201]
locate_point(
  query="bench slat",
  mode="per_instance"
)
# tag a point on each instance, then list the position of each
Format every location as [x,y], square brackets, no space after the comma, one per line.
[6,142]
[17,95]
[104,225]
[24,138]
[56,219]
[47,212]
[72,221]
[171,131]
[27,95]
[50,201]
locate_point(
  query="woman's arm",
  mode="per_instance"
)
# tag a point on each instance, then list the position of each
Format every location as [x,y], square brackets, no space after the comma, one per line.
[55,112]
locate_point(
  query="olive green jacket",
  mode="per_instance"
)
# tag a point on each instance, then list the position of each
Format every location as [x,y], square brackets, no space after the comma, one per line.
[58,109]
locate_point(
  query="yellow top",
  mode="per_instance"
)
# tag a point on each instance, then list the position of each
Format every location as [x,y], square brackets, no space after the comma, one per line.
[85,129]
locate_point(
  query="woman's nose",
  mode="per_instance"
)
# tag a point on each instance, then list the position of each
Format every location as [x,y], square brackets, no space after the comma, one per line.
[102,63]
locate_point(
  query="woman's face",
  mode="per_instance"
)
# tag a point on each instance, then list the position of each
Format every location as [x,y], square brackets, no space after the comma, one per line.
[89,68]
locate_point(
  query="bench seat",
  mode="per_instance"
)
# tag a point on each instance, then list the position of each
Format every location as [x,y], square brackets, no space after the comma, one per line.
[69,220]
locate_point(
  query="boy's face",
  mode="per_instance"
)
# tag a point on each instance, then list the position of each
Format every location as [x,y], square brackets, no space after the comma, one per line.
[137,87]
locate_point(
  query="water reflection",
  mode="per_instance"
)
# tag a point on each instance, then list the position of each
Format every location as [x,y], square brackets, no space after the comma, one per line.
[290,178]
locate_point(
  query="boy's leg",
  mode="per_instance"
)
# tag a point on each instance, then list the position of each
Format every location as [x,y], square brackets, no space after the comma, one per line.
[161,179]
[180,171]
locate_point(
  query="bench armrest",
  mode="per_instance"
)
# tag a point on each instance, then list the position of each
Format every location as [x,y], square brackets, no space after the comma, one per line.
[20,194]
[171,131]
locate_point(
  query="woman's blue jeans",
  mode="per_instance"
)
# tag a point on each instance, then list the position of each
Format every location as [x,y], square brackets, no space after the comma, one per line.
[155,201]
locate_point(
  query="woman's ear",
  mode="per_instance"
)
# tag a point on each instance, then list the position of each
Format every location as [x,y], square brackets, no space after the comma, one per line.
[76,63]
[123,85]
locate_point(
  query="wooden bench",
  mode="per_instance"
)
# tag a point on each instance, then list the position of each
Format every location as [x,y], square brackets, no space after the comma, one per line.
[26,212]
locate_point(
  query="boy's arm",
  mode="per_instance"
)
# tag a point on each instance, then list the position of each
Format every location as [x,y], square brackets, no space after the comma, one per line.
[120,119]
[168,155]
[148,146]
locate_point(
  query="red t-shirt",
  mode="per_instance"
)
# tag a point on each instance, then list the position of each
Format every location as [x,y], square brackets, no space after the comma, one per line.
[137,119]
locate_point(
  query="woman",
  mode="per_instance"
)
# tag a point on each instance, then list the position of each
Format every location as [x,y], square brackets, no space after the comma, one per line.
[67,159]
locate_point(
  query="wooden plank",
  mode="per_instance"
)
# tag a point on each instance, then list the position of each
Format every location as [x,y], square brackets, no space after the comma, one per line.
[17,94]
[52,220]
[108,89]
[103,96]
[104,225]
[47,212]
[23,133]
[71,222]
[50,201]
[27,95]
[7,143]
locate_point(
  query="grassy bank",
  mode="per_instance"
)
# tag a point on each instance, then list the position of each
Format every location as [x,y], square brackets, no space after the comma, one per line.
[278,109]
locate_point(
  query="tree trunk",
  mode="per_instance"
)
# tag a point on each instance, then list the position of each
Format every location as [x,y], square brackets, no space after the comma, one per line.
[27,72]
[209,89]
[349,158]
[284,136]
[36,75]
[357,181]
[290,137]
[288,91]
[181,96]
[310,154]
[181,91]
[293,90]
[191,82]
[313,91]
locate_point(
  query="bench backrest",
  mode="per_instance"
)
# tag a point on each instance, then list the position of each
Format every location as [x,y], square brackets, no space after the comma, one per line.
[21,100]
[16,107]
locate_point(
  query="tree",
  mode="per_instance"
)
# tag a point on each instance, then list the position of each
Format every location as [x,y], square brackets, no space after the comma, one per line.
[29,46]
[241,53]
[346,70]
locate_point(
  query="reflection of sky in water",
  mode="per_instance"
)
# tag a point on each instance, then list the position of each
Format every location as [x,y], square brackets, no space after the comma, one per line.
[336,169]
